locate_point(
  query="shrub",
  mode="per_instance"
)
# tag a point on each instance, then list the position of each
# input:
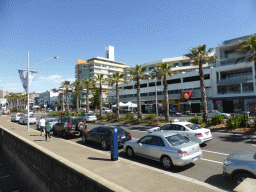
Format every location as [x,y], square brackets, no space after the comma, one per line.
[244,120]
[216,120]
[102,118]
[195,120]
[129,116]
[150,116]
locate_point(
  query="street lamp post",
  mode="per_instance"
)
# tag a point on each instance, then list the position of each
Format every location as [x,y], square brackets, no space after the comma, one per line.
[28,79]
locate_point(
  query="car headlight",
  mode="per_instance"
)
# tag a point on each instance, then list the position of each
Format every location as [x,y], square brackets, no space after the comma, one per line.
[227,162]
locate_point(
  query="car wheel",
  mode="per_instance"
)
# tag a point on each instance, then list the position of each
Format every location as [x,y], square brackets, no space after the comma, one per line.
[81,126]
[240,177]
[84,139]
[104,144]
[54,132]
[166,162]
[64,135]
[129,152]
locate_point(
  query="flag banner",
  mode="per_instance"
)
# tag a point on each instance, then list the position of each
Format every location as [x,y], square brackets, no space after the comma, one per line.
[24,79]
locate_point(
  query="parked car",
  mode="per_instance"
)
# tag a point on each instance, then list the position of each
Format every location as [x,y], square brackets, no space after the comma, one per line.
[175,113]
[6,111]
[213,113]
[106,110]
[83,110]
[102,135]
[24,119]
[240,165]
[49,110]
[16,117]
[89,117]
[166,147]
[188,130]
[70,126]
[52,122]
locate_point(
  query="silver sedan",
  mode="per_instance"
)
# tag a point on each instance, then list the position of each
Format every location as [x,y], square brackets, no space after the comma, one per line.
[168,148]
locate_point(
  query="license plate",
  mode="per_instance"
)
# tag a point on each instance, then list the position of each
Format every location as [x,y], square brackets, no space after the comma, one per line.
[123,137]
[207,138]
[195,159]
[207,133]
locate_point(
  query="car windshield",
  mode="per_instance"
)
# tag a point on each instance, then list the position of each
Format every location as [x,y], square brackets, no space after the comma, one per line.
[176,140]
[76,120]
[51,120]
[193,126]
[90,114]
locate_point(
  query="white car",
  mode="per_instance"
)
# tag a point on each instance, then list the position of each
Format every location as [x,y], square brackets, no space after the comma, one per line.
[213,113]
[16,117]
[188,130]
[24,119]
[89,117]
[49,111]
[106,110]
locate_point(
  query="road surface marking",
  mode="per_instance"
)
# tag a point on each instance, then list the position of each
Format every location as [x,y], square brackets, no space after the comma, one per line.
[211,161]
[215,152]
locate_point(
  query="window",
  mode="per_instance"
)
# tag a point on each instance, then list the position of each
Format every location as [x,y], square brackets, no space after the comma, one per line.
[143,85]
[176,140]
[247,88]
[143,94]
[157,141]
[186,64]
[173,81]
[145,140]
[151,68]
[166,127]
[175,64]
[151,93]
[151,84]
[176,127]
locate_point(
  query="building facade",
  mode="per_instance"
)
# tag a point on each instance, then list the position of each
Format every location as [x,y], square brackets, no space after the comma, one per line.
[230,87]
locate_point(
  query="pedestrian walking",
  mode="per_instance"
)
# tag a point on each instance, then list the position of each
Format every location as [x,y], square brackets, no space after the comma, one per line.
[41,125]
[47,130]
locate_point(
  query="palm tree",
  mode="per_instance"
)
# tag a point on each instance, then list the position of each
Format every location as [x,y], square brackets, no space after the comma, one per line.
[100,78]
[89,83]
[116,78]
[137,75]
[77,86]
[199,55]
[163,70]
[248,48]
[66,85]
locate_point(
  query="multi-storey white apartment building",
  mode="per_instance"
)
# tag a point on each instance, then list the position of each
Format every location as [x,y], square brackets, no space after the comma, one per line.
[99,65]
[230,87]
[48,98]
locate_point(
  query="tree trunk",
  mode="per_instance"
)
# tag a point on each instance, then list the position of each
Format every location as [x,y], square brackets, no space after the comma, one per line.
[77,104]
[87,99]
[203,93]
[67,100]
[166,103]
[100,100]
[138,99]
[117,101]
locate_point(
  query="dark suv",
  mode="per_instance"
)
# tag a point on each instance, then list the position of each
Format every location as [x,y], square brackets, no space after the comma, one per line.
[70,126]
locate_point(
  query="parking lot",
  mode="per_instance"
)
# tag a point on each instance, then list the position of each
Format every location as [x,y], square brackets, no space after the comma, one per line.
[208,169]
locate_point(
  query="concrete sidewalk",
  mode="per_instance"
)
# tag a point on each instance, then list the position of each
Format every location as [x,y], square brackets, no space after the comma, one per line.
[125,174]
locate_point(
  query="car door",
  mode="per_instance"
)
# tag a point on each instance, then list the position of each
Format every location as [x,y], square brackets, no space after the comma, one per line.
[156,148]
[100,134]
[92,134]
[143,144]
[59,124]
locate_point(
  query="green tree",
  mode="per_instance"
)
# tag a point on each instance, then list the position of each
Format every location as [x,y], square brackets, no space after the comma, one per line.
[116,78]
[163,70]
[137,75]
[198,56]
[77,87]
[248,49]
[66,85]
[89,83]
[95,100]
[101,80]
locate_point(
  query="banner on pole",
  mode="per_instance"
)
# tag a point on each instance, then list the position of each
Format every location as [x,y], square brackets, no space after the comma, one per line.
[24,79]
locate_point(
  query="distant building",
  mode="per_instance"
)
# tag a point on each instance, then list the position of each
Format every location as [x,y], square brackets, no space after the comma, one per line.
[3,93]
[48,98]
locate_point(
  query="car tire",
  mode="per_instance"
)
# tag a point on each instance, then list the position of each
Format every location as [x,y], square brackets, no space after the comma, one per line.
[81,126]
[84,139]
[54,132]
[166,162]
[238,178]
[129,152]
[64,135]
[104,144]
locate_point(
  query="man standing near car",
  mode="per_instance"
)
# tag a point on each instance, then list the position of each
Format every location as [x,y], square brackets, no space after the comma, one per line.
[41,125]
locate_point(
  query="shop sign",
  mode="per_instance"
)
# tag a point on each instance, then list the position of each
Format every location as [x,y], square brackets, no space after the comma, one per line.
[218,101]
[185,95]
[252,108]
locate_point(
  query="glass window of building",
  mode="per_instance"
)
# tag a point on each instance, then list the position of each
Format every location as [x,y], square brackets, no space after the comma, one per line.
[175,64]
[186,64]
[247,88]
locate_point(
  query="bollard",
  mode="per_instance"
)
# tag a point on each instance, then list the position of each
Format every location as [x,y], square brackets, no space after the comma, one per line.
[114,145]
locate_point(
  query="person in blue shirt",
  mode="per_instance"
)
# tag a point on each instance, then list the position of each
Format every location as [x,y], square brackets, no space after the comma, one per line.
[47,130]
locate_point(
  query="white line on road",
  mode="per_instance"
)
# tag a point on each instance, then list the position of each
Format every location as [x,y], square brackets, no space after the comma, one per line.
[215,152]
[211,161]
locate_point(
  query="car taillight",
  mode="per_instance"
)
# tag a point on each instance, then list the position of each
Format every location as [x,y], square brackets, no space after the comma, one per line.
[129,135]
[182,153]
[199,135]
[118,136]
[85,122]
[85,130]
[69,124]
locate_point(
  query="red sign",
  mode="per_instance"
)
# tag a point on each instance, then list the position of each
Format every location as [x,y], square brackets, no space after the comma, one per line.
[218,101]
[185,95]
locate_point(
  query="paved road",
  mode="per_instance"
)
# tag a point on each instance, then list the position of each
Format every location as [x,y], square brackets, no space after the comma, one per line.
[208,169]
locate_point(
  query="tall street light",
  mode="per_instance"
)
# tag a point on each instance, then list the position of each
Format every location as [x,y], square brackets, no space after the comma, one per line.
[28,79]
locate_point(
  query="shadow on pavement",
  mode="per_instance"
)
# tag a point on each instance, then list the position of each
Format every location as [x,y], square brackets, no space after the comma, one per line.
[237,138]
[100,159]
[39,140]
[220,182]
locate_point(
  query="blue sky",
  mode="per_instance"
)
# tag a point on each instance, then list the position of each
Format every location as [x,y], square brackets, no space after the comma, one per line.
[140,30]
